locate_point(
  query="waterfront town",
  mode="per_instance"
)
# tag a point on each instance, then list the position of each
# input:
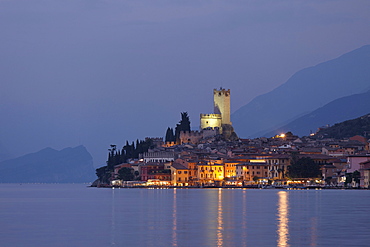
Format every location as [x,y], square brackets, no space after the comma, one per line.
[214,156]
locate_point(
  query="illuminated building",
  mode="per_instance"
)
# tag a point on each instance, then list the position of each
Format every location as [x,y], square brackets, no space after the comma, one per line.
[230,168]
[221,115]
[252,170]
[210,173]
[179,175]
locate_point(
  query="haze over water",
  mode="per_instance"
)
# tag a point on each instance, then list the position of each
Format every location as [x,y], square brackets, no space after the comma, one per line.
[75,215]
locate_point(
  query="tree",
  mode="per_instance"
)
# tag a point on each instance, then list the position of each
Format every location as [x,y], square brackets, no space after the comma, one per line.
[126,174]
[183,125]
[349,178]
[112,157]
[288,134]
[328,180]
[304,167]
[170,137]
[103,174]
[356,177]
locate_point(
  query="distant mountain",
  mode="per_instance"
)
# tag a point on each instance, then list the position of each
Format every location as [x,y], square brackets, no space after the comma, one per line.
[70,165]
[349,128]
[339,110]
[304,92]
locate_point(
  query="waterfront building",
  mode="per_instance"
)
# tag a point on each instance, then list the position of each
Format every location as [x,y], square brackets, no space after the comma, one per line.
[210,173]
[154,171]
[278,165]
[230,168]
[365,174]
[179,174]
[252,171]
[353,162]
[336,170]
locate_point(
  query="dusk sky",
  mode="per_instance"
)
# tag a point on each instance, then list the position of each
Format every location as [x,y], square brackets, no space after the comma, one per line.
[90,72]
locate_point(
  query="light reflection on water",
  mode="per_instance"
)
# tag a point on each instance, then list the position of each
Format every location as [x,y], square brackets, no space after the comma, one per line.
[174,216]
[219,219]
[73,215]
[283,219]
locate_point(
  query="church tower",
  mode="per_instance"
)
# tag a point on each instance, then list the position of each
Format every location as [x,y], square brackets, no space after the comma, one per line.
[221,99]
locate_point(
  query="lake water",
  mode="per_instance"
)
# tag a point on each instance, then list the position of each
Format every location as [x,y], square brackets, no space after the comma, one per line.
[75,215]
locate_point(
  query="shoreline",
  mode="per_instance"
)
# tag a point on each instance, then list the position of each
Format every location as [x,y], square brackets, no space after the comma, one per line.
[229,187]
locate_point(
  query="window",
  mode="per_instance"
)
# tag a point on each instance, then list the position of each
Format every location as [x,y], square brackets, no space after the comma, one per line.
[185,172]
[179,172]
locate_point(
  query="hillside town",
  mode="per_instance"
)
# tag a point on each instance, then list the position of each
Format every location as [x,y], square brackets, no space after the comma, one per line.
[214,156]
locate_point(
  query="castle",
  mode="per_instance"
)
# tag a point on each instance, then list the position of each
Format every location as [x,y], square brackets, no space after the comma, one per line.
[212,125]
[221,116]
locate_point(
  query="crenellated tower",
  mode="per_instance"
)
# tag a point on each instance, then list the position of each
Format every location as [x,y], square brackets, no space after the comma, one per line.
[219,122]
[221,99]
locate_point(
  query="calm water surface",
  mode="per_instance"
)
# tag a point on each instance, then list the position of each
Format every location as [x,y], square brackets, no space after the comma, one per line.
[75,215]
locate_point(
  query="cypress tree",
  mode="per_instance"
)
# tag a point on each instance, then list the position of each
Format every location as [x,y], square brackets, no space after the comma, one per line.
[169,135]
[183,125]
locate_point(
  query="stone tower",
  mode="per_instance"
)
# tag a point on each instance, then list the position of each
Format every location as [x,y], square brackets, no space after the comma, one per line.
[221,99]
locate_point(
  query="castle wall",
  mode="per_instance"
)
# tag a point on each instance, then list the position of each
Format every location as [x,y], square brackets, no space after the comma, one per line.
[192,137]
[210,121]
[210,132]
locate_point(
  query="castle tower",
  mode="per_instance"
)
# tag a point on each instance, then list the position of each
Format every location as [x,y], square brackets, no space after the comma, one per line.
[221,99]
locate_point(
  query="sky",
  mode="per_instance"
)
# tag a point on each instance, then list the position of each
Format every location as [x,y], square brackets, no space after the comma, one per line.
[100,72]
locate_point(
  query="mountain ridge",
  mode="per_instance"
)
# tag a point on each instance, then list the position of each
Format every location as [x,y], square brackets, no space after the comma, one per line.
[69,165]
[305,91]
[336,111]
[358,126]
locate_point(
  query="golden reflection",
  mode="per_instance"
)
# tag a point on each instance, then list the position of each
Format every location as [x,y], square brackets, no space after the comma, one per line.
[174,217]
[220,226]
[283,219]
